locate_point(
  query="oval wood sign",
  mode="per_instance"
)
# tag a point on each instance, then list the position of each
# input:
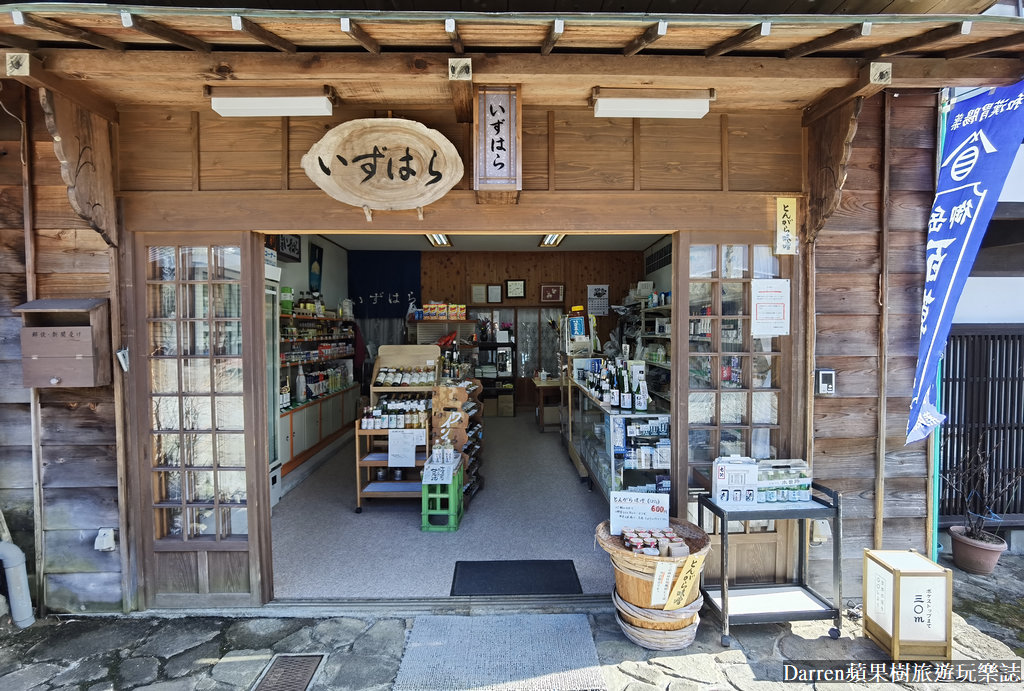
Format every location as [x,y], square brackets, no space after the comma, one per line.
[387,164]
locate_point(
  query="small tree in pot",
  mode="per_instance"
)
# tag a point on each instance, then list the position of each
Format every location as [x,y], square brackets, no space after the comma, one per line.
[974,548]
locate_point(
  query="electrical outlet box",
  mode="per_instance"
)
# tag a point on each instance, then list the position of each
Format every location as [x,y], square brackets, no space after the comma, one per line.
[825,382]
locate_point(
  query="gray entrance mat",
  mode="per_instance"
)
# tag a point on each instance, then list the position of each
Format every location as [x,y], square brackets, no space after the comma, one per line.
[519,651]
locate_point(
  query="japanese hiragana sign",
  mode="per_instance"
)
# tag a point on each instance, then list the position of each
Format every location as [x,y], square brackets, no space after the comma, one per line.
[786,241]
[982,136]
[384,163]
[496,133]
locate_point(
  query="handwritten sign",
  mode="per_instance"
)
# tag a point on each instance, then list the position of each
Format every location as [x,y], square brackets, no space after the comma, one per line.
[496,130]
[687,582]
[638,510]
[384,163]
[785,226]
[402,446]
[664,574]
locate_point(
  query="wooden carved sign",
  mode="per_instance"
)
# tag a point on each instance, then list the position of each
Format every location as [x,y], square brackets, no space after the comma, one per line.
[387,164]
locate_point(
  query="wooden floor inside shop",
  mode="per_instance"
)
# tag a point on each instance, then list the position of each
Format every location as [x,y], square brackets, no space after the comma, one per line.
[532,506]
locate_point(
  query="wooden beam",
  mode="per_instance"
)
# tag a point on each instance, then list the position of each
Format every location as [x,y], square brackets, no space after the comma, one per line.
[744,38]
[29,71]
[937,73]
[54,27]
[453,35]
[990,46]
[833,39]
[555,33]
[883,323]
[356,33]
[925,39]
[462,99]
[251,28]
[653,33]
[873,78]
[18,42]
[164,33]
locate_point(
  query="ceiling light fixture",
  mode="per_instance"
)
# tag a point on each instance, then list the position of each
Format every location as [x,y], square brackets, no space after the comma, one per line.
[258,101]
[651,103]
[552,239]
[439,240]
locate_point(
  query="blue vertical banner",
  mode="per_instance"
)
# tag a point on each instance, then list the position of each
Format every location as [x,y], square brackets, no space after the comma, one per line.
[382,284]
[982,137]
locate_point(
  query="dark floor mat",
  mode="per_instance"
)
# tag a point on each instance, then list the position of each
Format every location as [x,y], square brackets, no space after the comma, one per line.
[516,577]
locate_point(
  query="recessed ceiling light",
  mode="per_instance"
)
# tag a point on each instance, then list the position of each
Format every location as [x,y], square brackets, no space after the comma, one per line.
[439,240]
[552,239]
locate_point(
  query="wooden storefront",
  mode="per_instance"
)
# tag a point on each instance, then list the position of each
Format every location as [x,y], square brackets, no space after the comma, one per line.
[857,148]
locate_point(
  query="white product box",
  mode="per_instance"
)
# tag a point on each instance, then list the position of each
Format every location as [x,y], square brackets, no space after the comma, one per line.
[734,481]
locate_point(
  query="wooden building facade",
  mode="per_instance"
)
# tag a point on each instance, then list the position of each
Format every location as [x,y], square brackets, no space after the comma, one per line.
[100,185]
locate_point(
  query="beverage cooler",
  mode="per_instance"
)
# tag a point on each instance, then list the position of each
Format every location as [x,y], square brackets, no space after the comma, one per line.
[272,330]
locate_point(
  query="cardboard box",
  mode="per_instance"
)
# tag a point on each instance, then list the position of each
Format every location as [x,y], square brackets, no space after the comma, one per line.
[734,481]
[490,407]
[783,480]
[506,405]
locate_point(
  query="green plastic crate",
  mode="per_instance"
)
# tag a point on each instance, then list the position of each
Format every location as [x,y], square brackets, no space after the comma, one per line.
[442,505]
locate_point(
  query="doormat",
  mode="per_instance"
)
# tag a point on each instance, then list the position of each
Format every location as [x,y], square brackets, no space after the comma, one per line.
[516,577]
[500,652]
[289,672]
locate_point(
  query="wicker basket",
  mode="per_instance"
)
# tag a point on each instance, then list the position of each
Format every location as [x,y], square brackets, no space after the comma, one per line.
[634,573]
[658,619]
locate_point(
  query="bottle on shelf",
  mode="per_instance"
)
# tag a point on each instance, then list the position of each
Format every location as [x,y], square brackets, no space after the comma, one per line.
[614,392]
[640,393]
[626,395]
[300,386]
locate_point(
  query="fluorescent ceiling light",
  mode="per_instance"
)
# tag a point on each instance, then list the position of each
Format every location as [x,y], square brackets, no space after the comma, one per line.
[552,239]
[651,103]
[255,102]
[439,240]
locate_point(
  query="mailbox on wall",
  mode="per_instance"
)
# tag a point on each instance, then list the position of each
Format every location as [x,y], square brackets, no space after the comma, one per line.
[65,342]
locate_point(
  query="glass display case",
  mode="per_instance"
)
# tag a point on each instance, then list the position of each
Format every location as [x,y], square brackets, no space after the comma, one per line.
[628,451]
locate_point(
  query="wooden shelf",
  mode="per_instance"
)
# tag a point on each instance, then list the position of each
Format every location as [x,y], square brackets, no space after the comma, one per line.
[663,365]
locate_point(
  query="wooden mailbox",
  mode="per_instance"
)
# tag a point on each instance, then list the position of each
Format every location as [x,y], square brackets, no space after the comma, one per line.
[65,342]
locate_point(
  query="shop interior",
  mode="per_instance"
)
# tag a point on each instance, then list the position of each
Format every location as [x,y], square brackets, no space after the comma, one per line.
[523,495]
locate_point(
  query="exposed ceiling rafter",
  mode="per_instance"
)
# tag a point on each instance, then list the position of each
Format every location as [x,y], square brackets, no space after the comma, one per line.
[54,27]
[915,42]
[745,38]
[653,33]
[834,39]
[990,46]
[164,33]
[554,33]
[357,34]
[28,70]
[873,78]
[251,28]
[452,30]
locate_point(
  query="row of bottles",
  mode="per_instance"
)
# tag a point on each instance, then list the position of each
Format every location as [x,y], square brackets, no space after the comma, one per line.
[397,411]
[405,376]
[309,302]
[612,385]
[319,381]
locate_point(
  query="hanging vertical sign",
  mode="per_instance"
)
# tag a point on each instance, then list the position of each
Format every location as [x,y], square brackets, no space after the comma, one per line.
[982,136]
[785,225]
[498,162]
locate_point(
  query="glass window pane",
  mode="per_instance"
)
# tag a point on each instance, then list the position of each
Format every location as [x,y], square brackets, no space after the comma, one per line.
[163,338]
[167,522]
[764,442]
[732,335]
[195,375]
[230,451]
[163,375]
[700,299]
[766,344]
[734,408]
[167,487]
[227,263]
[195,301]
[198,450]
[166,450]
[195,263]
[700,449]
[201,523]
[165,414]
[196,412]
[701,409]
[161,301]
[227,300]
[765,372]
[733,368]
[700,336]
[230,413]
[766,264]
[766,408]
[733,442]
[734,261]
[549,345]
[733,299]
[231,487]
[702,261]
[527,341]
[234,521]
[227,375]
[199,487]
[195,338]
[160,266]
[700,372]
[227,338]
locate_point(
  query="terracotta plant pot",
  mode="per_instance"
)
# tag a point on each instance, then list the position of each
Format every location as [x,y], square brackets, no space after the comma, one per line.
[973,555]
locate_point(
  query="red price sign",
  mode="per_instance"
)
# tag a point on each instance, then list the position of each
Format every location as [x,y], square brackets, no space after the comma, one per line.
[658,508]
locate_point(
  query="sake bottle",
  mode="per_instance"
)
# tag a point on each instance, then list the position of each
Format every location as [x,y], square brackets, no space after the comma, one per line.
[626,395]
[640,393]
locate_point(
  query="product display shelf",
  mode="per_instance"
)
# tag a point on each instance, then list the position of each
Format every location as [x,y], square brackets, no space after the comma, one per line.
[427,331]
[501,356]
[427,357]
[656,332]
[457,418]
[372,455]
[317,399]
[778,602]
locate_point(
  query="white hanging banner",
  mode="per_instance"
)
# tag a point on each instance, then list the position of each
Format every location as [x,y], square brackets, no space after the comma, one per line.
[770,307]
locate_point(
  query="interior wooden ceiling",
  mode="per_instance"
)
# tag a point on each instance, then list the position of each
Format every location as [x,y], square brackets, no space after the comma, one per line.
[389,55]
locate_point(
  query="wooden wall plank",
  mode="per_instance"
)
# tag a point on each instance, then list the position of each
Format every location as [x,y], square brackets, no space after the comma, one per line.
[229,572]
[71,551]
[11,215]
[680,154]
[10,338]
[836,417]
[864,171]
[239,153]
[845,335]
[176,572]
[765,152]
[79,508]
[12,388]
[79,466]
[16,468]
[15,425]
[535,149]
[843,457]
[83,416]
[913,169]
[83,592]
[12,293]
[10,162]
[856,377]
[53,210]
[846,293]
[443,277]
[904,335]
[46,165]
[906,252]
[592,153]
[905,294]
[58,285]
[12,250]
[70,251]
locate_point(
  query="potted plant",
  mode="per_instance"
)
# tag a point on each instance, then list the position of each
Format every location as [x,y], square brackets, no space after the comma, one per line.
[975,549]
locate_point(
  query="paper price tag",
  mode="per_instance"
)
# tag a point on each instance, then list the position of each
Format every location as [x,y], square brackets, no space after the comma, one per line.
[438,474]
[664,573]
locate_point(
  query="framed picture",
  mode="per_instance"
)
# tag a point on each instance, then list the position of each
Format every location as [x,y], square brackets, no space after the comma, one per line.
[552,292]
[494,293]
[289,248]
[478,293]
[515,288]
